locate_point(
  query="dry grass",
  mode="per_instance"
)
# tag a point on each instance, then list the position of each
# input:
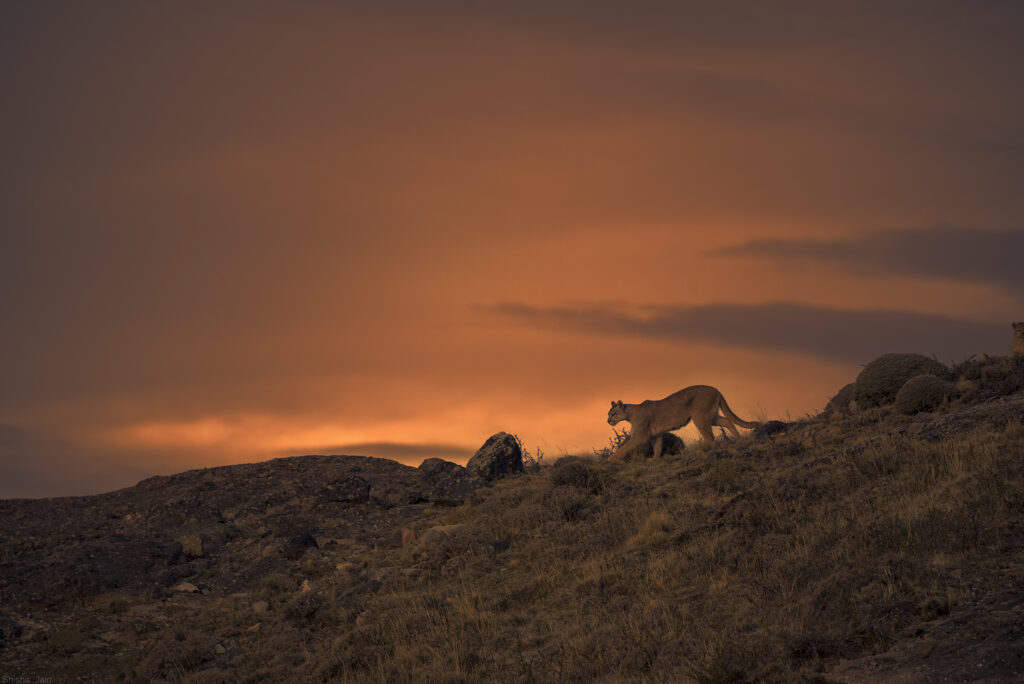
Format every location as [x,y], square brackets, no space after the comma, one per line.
[738,561]
[747,561]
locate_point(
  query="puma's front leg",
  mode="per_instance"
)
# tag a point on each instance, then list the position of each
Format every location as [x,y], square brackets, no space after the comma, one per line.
[658,444]
[630,444]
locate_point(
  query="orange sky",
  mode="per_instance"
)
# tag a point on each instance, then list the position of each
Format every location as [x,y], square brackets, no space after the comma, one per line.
[235,231]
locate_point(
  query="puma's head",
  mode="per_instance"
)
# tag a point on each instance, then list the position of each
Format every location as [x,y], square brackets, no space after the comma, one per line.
[616,413]
[1018,329]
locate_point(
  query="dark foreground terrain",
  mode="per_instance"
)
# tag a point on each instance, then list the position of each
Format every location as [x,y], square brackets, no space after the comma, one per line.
[864,547]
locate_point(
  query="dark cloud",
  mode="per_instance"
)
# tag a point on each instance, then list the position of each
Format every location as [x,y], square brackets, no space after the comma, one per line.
[853,336]
[411,454]
[946,252]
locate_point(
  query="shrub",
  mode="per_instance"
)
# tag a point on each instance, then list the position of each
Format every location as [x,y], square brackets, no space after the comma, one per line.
[840,403]
[882,379]
[922,393]
[574,472]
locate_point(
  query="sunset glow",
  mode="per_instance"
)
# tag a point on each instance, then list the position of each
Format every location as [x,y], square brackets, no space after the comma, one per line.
[246,230]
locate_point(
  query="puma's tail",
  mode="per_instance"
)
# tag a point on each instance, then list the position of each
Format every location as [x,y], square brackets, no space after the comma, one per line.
[733,417]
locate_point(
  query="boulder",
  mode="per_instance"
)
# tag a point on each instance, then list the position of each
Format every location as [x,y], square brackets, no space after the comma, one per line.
[772,427]
[445,483]
[671,445]
[923,393]
[499,457]
[191,545]
[296,546]
[881,380]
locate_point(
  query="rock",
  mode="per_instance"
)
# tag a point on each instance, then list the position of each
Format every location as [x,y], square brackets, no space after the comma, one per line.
[296,546]
[437,532]
[347,489]
[445,483]
[772,427]
[186,587]
[403,536]
[922,393]
[260,607]
[671,445]
[219,649]
[844,402]
[68,640]
[881,380]
[436,466]
[363,588]
[306,587]
[191,545]
[499,457]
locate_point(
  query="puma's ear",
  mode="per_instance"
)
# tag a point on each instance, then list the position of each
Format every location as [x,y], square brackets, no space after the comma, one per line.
[613,403]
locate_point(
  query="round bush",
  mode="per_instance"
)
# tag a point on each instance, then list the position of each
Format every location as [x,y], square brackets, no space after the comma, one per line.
[882,379]
[922,393]
[574,472]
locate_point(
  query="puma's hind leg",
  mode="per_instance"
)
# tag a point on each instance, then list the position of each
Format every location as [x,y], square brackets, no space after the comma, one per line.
[704,428]
[724,422]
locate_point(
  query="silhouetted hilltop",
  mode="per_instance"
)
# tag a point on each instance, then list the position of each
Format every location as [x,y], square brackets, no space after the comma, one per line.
[855,546]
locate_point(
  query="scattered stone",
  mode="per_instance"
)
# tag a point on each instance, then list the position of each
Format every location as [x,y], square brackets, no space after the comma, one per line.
[295,547]
[256,627]
[671,445]
[68,640]
[772,427]
[437,532]
[306,587]
[186,587]
[403,536]
[260,607]
[363,588]
[499,457]
[219,649]
[191,545]
[497,545]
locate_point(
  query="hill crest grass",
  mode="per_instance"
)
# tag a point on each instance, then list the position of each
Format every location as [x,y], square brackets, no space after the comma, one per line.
[746,561]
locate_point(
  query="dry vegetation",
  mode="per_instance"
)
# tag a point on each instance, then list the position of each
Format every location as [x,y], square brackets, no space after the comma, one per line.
[795,558]
[749,561]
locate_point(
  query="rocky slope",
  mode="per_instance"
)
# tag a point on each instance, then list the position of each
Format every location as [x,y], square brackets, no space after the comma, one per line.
[869,547]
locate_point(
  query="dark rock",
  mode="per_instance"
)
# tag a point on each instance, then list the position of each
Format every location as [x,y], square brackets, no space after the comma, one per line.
[191,545]
[438,466]
[297,545]
[363,588]
[445,483]
[499,457]
[881,380]
[497,545]
[772,427]
[672,445]
[347,489]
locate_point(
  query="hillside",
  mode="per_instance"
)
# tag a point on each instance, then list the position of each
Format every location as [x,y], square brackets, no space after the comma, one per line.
[868,547]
